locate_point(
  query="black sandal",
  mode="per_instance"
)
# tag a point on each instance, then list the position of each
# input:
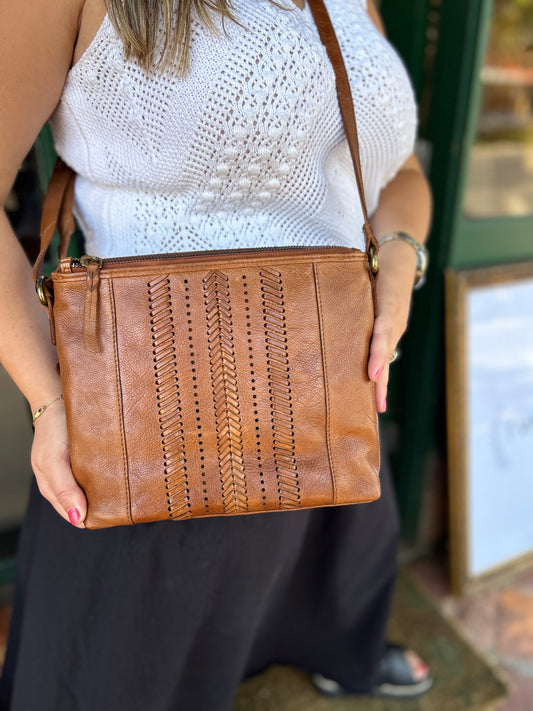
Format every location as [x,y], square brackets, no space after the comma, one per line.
[394,679]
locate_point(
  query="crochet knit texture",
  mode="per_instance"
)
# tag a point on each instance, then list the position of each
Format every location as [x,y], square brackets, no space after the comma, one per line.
[248,149]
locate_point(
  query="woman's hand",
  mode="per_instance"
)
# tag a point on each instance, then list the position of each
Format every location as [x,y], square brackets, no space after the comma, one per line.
[51,465]
[397,265]
[405,204]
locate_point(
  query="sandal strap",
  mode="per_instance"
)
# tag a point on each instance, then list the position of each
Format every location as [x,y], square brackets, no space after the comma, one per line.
[394,667]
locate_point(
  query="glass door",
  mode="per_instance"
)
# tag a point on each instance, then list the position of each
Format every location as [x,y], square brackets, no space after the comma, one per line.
[495,219]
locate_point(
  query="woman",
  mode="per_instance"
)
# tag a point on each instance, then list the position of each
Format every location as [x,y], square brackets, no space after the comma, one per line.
[236,142]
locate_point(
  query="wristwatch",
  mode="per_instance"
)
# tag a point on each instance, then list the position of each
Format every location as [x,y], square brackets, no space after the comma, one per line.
[422,255]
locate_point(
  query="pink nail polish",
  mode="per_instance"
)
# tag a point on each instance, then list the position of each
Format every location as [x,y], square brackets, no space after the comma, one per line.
[73,516]
[384,405]
[377,376]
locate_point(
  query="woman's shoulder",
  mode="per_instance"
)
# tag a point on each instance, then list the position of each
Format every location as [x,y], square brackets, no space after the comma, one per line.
[374,14]
[37,38]
[91,16]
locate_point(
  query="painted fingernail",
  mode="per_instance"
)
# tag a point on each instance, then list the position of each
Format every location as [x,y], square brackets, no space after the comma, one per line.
[384,405]
[377,376]
[73,516]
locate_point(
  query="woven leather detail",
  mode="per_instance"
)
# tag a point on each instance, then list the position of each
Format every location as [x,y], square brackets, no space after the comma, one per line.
[225,392]
[168,398]
[280,388]
[254,392]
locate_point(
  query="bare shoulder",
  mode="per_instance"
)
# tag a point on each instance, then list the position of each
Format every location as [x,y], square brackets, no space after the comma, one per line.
[376,17]
[37,39]
[91,17]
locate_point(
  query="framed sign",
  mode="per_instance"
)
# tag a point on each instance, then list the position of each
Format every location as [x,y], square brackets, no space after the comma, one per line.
[489,376]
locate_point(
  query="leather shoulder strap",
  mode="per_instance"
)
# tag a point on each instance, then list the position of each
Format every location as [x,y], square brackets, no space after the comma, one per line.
[57,212]
[344,94]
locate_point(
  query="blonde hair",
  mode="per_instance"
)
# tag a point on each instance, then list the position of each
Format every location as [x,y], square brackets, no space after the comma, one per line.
[158,36]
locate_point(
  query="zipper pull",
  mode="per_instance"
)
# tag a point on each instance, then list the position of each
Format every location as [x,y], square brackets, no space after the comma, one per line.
[90,317]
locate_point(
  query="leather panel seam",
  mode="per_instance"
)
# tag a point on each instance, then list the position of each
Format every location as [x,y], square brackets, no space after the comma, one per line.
[120,403]
[325,379]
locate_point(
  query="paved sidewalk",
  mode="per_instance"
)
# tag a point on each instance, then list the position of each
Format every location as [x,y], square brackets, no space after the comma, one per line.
[497,621]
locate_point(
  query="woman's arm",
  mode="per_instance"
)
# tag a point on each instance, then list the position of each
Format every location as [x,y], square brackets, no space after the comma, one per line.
[405,205]
[37,38]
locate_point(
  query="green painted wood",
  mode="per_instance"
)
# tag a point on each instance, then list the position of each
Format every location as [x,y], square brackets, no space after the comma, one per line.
[7,570]
[420,403]
[491,241]
[406,21]
[45,156]
[485,12]
[488,241]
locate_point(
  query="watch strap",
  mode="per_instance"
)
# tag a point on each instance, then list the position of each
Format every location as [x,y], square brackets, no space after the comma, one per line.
[422,254]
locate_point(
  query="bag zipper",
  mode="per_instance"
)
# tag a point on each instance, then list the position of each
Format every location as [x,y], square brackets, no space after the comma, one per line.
[102,262]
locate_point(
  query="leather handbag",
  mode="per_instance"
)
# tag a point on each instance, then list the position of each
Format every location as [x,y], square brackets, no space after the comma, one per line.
[221,382]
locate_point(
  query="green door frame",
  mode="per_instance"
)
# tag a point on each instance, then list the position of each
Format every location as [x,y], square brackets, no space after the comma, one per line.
[478,242]
[406,22]
[45,156]
[418,405]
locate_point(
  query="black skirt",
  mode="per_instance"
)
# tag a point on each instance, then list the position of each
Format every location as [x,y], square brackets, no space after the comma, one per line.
[170,616]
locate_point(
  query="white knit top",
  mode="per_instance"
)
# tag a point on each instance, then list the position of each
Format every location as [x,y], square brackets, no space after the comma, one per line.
[248,149]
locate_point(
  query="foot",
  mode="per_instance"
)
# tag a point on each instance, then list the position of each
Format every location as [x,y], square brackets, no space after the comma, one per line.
[402,674]
[419,668]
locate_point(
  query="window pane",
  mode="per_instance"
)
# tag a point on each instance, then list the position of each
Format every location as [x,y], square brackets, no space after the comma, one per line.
[500,180]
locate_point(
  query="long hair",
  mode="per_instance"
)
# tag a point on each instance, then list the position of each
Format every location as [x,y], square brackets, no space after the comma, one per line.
[157,33]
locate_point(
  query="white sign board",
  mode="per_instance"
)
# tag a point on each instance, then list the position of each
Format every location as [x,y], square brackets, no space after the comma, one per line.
[489,387]
[499,401]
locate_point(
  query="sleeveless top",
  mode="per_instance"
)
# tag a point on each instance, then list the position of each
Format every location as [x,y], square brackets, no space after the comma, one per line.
[248,149]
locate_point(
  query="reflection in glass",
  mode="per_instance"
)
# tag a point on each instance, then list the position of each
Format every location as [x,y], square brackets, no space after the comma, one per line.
[500,179]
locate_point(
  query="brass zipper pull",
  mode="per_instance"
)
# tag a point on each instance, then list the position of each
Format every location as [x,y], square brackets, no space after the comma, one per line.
[90,317]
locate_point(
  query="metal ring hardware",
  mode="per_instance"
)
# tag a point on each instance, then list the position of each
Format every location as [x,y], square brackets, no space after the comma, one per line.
[373,259]
[39,288]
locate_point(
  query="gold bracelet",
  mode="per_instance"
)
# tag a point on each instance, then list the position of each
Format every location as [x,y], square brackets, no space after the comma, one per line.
[39,411]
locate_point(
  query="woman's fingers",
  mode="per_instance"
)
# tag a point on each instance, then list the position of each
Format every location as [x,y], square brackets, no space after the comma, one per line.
[51,465]
[381,351]
[67,498]
[394,292]
[381,390]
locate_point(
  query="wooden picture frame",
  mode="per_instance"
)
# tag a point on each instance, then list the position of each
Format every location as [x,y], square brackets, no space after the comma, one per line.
[489,392]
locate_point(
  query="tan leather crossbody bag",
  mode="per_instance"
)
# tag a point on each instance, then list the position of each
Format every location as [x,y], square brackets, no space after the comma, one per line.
[216,383]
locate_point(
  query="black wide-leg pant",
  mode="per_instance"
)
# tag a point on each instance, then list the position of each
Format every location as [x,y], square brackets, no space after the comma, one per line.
[170,616]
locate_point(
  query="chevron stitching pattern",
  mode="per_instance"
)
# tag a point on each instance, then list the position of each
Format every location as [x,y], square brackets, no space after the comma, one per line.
[225,392]
[280,388]
[168,398]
